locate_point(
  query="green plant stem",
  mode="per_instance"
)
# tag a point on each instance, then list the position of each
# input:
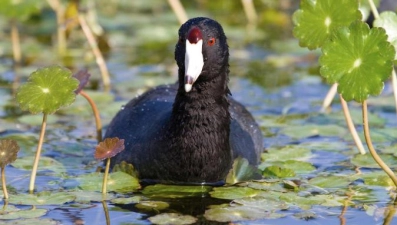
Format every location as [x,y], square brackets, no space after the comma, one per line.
[16,47]
[351,126]
[38,152]
[96,114]
[96,51]
[375,155]
[105,176]
[3,182]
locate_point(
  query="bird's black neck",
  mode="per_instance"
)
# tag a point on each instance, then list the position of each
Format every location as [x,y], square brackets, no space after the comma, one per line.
[200,128]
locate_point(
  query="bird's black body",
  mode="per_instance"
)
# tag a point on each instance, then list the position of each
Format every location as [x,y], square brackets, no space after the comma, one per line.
[172,135]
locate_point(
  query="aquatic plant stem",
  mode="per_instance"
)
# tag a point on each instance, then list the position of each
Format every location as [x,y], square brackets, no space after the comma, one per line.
[179,11]
[329,97]
[96,51]
[375,155]
[38,152]
[16,46]
[3,182]
[61,35]
[351,126]
[96,115]
[373,9]
[250,12]
[105,176]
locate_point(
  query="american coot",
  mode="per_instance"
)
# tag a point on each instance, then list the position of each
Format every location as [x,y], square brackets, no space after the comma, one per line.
[190,131]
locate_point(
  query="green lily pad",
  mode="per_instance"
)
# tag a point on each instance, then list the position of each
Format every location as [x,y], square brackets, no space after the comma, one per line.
[239,213]
[267,185]
[315,20]
[242,171]
[172,218]
[47,90]
[378,178]
[45,163]
[388,21]
[330,181]
[42,198]
[20,10]
[22,214]
[359,59]
[234,192]
[289,152]
[174,191]
[276,171]
[302,131]
[261,203]
[152,205]
[135,199]
[298,167]
[118,182]
[367,161]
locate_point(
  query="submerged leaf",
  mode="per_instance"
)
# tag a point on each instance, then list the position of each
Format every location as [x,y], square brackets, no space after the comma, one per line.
[8,151]
[47,90]
[242,171]
[315,20]
[109,148]
[359,59]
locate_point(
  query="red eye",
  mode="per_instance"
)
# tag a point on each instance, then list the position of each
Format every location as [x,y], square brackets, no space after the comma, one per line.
[211,41]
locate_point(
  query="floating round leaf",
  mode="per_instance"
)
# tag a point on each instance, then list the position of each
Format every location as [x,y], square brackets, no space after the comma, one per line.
[109,148]
[82,76]
[172,218]
[47,90]
[8,151]
[360,59]
[20,10]
[315,20]
[388,20]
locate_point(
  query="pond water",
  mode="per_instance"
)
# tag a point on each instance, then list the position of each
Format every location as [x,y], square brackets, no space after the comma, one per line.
[322,179]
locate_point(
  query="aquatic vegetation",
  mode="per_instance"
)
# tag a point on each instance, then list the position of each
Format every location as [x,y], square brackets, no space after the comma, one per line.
[106,150]
[47,90]
[356,57]
[8,154]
